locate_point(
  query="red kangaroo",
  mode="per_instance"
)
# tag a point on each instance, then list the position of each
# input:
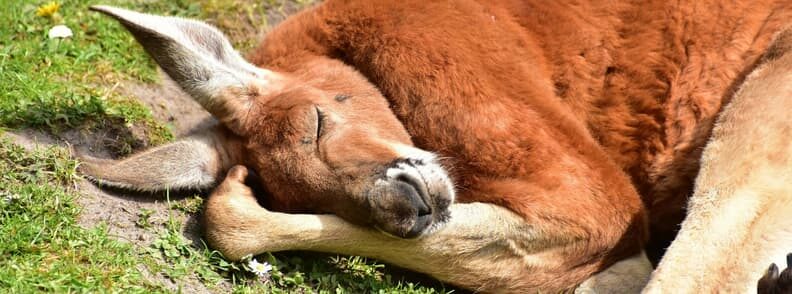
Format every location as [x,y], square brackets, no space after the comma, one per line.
[571,129]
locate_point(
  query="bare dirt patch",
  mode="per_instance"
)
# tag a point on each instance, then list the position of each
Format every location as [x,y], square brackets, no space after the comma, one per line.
[171,105]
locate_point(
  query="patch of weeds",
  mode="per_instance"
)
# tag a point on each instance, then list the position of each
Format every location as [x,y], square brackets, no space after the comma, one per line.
[43,248]
[144,217]
[305,272]
[357,266]
[134,114]
[122,137]
[182,259]
[312,272]
[178,253]
[188,205]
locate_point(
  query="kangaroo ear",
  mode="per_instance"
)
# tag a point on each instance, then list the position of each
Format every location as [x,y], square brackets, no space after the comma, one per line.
[195,162]
[199,58]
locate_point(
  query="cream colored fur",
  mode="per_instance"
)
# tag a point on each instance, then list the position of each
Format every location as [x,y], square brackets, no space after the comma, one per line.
[738,218]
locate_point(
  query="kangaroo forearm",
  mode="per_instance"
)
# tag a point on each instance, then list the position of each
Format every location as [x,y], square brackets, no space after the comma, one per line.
[595,225]
[474,229]
[483,246]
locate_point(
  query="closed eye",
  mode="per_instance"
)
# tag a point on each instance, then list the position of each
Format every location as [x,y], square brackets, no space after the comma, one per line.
[319,123]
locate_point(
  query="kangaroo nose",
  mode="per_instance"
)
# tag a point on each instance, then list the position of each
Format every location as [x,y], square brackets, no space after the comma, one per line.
[421,195]
[399,207]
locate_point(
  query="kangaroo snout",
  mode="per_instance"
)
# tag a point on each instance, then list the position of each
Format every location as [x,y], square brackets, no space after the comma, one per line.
[411,199]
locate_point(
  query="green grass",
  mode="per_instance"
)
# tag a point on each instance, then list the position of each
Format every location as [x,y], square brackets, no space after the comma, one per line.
[43,249]
[57,84]
[63,84]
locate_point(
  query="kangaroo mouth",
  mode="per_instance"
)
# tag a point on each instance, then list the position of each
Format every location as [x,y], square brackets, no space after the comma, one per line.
[411,199]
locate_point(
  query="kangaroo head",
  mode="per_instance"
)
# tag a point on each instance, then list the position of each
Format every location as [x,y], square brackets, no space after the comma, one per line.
[321,138]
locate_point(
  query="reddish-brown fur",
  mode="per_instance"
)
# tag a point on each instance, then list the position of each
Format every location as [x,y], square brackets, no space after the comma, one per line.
[579,116]
[544,106]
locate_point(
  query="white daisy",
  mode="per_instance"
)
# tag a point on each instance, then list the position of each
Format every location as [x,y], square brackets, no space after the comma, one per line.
[259,269]
[8,197]
[60,31]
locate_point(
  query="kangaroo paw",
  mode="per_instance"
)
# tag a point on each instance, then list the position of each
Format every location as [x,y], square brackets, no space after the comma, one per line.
[232,216]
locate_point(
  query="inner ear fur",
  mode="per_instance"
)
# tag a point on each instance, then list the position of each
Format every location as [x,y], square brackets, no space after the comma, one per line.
[200,59]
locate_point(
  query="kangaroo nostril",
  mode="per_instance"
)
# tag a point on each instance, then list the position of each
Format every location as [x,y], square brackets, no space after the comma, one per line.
[421,200]
[420,225]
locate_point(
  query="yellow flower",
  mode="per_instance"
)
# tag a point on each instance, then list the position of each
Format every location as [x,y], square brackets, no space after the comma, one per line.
[48,10]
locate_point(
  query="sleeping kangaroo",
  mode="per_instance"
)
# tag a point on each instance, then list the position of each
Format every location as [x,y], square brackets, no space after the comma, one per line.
[560,125]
